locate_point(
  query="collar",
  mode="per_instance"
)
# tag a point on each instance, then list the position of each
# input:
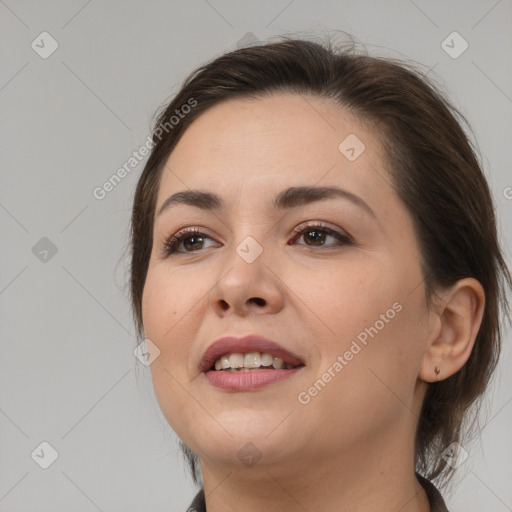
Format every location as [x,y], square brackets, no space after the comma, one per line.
[437,503]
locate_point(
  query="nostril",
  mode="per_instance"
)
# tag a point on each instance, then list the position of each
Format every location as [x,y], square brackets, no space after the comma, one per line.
[258,301]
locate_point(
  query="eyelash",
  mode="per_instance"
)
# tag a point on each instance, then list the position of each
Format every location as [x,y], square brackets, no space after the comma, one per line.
[173,241]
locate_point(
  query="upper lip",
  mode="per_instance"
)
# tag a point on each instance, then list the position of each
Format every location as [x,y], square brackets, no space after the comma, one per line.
[245,344]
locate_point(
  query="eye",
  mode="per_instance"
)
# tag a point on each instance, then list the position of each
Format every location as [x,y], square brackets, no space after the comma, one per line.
[318,233]
[315,235]
[189,238]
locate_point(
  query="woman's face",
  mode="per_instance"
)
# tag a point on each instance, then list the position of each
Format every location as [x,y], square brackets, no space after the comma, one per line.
[349,301]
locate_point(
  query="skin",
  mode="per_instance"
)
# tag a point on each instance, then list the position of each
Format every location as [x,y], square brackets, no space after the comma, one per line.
[351,447]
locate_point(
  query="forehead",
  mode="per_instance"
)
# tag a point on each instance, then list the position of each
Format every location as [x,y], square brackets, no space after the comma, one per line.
[263,145]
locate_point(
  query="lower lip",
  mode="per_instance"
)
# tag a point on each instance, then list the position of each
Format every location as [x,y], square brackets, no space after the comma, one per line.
[248,381]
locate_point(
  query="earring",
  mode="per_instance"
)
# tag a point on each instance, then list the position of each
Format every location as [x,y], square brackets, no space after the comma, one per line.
[436,370]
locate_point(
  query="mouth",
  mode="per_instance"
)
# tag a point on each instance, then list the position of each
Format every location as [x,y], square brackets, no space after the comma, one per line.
[248,363]
[249,353]
[251,362]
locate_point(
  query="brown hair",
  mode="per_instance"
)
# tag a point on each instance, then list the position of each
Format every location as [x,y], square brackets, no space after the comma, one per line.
[434,171]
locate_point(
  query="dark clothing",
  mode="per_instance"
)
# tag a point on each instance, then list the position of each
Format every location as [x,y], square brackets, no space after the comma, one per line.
[437,503]
[198,505]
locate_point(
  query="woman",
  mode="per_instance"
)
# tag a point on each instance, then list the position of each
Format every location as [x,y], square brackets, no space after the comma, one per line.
[316,269]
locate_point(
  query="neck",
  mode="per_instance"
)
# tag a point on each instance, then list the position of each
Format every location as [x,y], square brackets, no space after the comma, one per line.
[362,478]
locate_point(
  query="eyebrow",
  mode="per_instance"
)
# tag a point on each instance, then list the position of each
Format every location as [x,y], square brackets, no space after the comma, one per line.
[291,197]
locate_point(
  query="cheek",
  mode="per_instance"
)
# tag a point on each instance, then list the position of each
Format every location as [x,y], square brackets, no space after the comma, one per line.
[170,311]
[172,306]
[168,298]
[340,299]
[370,318]
[374,383]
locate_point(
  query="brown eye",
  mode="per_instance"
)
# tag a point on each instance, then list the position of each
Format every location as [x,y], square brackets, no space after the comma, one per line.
[192,240]
[317,236]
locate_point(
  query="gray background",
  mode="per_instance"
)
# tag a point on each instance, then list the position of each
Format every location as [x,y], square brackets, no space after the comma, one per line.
[68,375]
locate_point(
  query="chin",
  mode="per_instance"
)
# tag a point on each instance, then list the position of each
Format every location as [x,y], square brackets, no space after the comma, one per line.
[241,453]
[234,429]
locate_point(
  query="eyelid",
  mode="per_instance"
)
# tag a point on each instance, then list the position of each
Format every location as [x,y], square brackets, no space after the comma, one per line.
[177,238]
[334,231]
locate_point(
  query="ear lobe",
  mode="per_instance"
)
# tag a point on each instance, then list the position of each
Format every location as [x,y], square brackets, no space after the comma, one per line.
[460,311]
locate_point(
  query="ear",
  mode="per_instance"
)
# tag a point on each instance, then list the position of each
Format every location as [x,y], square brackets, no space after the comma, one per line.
[458,313]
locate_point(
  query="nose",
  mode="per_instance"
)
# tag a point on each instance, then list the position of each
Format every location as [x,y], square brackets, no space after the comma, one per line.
[247,288]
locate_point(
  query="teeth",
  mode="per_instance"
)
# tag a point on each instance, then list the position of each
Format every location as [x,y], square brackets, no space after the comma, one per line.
[249,362]
[236,360]
[232,370]
[277,363]
[266,359]
[252,360]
